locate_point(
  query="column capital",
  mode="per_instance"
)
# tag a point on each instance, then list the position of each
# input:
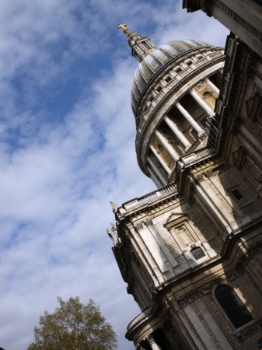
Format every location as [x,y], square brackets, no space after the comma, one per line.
[151,341]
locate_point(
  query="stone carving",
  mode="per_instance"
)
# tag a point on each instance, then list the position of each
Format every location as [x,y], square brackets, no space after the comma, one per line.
[189,297]
[139,225]
[148,222]
[113,227]
[114,205]
[112,236]
[246,256]
[248,330]
[198,293]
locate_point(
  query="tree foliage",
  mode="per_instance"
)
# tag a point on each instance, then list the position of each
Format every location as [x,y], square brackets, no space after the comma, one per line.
[74,326]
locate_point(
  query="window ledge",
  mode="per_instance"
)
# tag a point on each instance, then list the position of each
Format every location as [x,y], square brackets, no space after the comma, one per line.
[248,330]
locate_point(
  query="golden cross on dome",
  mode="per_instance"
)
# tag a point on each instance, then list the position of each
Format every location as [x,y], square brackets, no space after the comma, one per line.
[124,27]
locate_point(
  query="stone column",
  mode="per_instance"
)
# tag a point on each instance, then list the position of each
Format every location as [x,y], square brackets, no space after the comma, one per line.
[212,86]
[178,133]
[167,146]
[161,160]
[155,178]
[152,343]
[190,119]
[156,170]
[201,102]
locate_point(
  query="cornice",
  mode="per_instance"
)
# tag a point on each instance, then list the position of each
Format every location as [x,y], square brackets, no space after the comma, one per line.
[142,204]
[168,64]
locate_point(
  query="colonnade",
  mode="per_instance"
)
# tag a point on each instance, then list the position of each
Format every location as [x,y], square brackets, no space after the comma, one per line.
[155,173]
[151,341]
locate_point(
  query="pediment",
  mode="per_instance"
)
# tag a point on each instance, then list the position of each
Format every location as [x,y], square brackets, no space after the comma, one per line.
[176,218]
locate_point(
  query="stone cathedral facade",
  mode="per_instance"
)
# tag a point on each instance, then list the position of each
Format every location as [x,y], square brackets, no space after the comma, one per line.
[191,251]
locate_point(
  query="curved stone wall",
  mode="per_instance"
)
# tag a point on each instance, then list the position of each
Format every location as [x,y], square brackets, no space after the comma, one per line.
[175,111]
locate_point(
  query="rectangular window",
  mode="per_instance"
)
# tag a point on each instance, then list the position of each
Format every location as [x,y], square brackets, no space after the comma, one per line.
[237,195]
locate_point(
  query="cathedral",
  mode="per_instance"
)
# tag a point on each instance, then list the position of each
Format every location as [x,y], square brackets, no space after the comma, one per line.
[191,251]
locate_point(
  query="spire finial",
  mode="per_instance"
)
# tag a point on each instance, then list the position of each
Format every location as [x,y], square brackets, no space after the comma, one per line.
[140,45]
[124,27]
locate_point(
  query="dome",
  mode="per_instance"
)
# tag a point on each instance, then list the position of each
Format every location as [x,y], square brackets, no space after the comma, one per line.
[154,63]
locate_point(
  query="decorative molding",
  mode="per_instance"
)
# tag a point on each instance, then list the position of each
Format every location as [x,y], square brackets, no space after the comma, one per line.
[232,14]
[245,256]
[139,225]
[198,293]
[190,297]
[207,6]
[148,222]
[258,150]
[248,330]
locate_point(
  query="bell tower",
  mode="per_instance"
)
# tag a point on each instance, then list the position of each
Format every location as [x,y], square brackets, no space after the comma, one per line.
[191,251]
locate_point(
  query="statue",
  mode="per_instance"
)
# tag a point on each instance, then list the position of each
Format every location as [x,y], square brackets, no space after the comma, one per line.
[124,27]
[113,227]
[114,205]
[112,236]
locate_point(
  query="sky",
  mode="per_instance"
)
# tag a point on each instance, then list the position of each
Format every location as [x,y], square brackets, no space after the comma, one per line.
[67,149]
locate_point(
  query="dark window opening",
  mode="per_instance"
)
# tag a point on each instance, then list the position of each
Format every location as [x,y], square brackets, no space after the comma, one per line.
[204,122]
[159,88]
[161,340]
[168,79]
[144,344]
[194,133]
[237,195]
[216,79]
[197,253]
[151,99]
[177,70]
[189,63]
[233,306]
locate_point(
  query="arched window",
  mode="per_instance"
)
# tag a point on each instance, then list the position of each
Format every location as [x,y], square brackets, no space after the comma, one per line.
[232,305]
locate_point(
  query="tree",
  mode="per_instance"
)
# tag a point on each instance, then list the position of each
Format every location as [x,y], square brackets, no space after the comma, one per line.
[74,326]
